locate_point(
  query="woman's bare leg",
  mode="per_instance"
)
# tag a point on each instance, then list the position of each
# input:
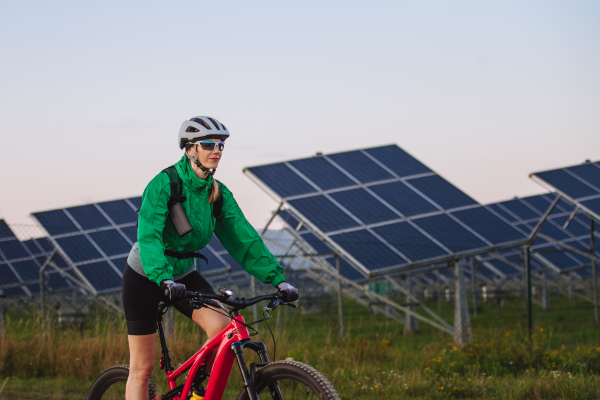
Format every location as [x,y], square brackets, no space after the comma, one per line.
[141,350]
[209,320]
[141,364]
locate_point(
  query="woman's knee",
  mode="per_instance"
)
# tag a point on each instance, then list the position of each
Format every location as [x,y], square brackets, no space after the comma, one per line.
[141,370]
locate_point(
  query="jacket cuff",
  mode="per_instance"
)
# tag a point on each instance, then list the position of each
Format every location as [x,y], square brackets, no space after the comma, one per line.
[162,276]
[278,279]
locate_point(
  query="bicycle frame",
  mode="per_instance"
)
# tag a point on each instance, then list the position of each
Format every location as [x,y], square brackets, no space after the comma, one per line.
[224,349]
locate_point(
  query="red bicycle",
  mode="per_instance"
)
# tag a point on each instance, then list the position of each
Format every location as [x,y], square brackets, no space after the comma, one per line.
[279,380]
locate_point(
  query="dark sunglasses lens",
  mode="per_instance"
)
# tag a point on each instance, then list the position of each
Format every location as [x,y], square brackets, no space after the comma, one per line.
[208,145]
[211,145]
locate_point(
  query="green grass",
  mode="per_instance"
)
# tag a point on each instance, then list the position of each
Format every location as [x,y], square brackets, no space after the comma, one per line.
[375,361]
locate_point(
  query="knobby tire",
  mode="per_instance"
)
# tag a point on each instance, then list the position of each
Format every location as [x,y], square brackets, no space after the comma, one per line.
[311,383]
[111,377]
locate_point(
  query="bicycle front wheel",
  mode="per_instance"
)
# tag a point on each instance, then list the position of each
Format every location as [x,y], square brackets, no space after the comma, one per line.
[295,381]
[110,385]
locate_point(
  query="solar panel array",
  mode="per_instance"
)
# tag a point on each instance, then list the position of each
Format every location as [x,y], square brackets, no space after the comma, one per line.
[579,183]
[524,214]
[311,244]
[384,210]
[20,264]
[96,240]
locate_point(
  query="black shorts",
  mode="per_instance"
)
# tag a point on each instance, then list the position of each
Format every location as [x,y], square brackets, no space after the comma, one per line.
[141,297]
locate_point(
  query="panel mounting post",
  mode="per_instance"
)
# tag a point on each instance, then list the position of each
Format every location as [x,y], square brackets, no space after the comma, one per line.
[527,262]
[1,317]
[339,294]
[41,277]
[474,271]
[462,324]
[545,294]
[594,277]
[411,325]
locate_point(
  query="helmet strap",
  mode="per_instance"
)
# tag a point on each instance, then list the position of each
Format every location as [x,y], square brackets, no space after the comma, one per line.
[195,161]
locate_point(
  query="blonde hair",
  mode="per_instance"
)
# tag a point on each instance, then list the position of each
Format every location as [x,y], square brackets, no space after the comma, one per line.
[215,191]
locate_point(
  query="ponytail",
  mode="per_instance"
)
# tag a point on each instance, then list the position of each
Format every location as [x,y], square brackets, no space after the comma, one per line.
[215,191]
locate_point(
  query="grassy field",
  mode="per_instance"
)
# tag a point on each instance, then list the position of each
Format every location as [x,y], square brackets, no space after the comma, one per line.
[375,361]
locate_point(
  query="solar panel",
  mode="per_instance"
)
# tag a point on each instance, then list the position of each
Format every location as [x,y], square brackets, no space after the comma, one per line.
[20,264]
[307,243]
[525,213]
[96,240]
[383,210]
[580,184]
[92,242]
[5,231]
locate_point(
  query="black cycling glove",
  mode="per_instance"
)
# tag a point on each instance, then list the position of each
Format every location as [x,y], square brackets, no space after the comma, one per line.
[288,292]
[174,291]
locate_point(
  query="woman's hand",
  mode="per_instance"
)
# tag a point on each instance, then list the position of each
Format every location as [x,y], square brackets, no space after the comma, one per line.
[174,291]
[288,292]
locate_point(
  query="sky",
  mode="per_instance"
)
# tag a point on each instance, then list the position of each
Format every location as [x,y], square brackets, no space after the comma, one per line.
[92,94]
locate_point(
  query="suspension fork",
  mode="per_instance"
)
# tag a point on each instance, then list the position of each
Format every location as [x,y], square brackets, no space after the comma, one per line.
[249,376]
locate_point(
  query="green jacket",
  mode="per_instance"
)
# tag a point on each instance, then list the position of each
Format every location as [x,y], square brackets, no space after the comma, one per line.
[231,227]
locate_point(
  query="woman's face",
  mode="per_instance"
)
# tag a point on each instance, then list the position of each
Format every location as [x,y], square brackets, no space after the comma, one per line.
[208,158]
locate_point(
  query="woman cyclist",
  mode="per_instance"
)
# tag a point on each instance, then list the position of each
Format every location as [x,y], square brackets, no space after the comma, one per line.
[156,269]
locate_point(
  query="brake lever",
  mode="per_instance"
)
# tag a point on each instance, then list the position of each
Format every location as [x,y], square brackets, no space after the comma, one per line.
[202,302]
[210,302]
[273,304]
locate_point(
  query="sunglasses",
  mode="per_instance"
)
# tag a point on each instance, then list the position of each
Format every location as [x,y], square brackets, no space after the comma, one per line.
[210,145]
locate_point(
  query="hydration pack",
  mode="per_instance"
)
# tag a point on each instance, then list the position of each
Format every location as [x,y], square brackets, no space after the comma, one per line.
[178,216]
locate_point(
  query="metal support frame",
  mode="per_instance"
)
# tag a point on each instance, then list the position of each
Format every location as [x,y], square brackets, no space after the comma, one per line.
[566,225]
[351,289]
[474,273]
[1,316]
[438,291]
[411,325]
[462,323]
[571,249]
[339,296]
[544,218]
[415,300]
[389,295]
[42,300]
[527,262]
[545,295]
[594,277]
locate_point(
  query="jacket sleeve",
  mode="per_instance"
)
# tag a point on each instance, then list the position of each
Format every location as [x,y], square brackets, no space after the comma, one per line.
[151,223]
[244,244]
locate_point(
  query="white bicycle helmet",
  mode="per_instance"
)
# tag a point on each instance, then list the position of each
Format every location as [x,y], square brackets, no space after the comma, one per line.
[199,128]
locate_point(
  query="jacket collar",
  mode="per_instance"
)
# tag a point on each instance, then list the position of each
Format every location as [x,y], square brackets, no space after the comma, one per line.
[189,178]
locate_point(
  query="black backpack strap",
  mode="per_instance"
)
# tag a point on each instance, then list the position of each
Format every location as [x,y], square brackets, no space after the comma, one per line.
[176,186]
[189,254]
[218,204]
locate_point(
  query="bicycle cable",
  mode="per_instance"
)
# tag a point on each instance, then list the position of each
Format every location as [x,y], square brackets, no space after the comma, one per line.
[255,331]
[272,336]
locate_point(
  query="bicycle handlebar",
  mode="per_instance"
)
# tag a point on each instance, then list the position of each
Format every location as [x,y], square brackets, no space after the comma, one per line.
[237,303]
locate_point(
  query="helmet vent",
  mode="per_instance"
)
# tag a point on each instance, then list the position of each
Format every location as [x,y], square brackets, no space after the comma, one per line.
[224,127]
[215,123]
[192,129]
[202,122]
